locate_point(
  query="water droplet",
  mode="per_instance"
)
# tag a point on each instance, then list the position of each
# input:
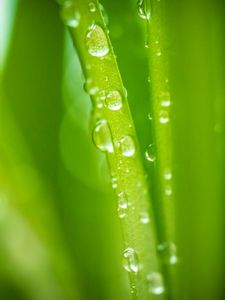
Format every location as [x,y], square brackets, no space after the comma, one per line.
[144,218]
[167,174]
[114,182]
[130,260]
[144,9]
[102,136]
[100,99]
[168,190]
[90,88]
[150,116]
[158,53]
[163,116]
[92,7]
[155,283]
[150,153]
[165,99]
[96,41]
[114,100]
[122,205]
[70,15]
[127,146]
[168,253]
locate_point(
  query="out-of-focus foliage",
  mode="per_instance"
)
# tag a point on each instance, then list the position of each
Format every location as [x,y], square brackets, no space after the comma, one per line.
[59,233]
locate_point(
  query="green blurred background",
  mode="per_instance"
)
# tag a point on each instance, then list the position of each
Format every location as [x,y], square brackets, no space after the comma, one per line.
[59,232]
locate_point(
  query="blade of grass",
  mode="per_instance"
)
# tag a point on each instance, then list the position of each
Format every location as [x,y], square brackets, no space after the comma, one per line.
[160,153]
[114,134]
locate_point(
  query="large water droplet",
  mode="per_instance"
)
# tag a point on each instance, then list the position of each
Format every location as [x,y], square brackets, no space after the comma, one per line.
[168,253]
[130,260]
[144,9]
[96,41]
[155,283]
[102,136]
[70,15]
[114,100]
[150,153]
[122,205]
[127,146]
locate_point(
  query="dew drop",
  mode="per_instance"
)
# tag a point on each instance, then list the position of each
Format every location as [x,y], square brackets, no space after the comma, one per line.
[100,99]
[130,260]
[168,190]
[155,283]
[92,7]
[96,41]
[90,88]
[114,182]
[102,136]
[122,205]
[168,253]
[70,15]
[127,146]
[165,99]
[114,100]
[144,9]
[167,174]
[150,153]
[144,218]
[150,116]
[163,116]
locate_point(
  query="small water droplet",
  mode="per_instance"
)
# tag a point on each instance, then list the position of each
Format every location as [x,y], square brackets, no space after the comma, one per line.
[155,283]
[102,136]
[144,218]
[114,182]
[70,15]
[122,205]
[168,253]
[96,41]
[127,146]
[165,99]
[114,100]
[168,190]
[130,260]
[100,99]
[144,9]
[150,153]
[90,88]
[158,53]
[167,174]
[150,116]
[92,7]
[163,116]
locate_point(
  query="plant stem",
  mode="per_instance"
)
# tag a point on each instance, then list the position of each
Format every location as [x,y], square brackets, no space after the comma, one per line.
[114,134]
